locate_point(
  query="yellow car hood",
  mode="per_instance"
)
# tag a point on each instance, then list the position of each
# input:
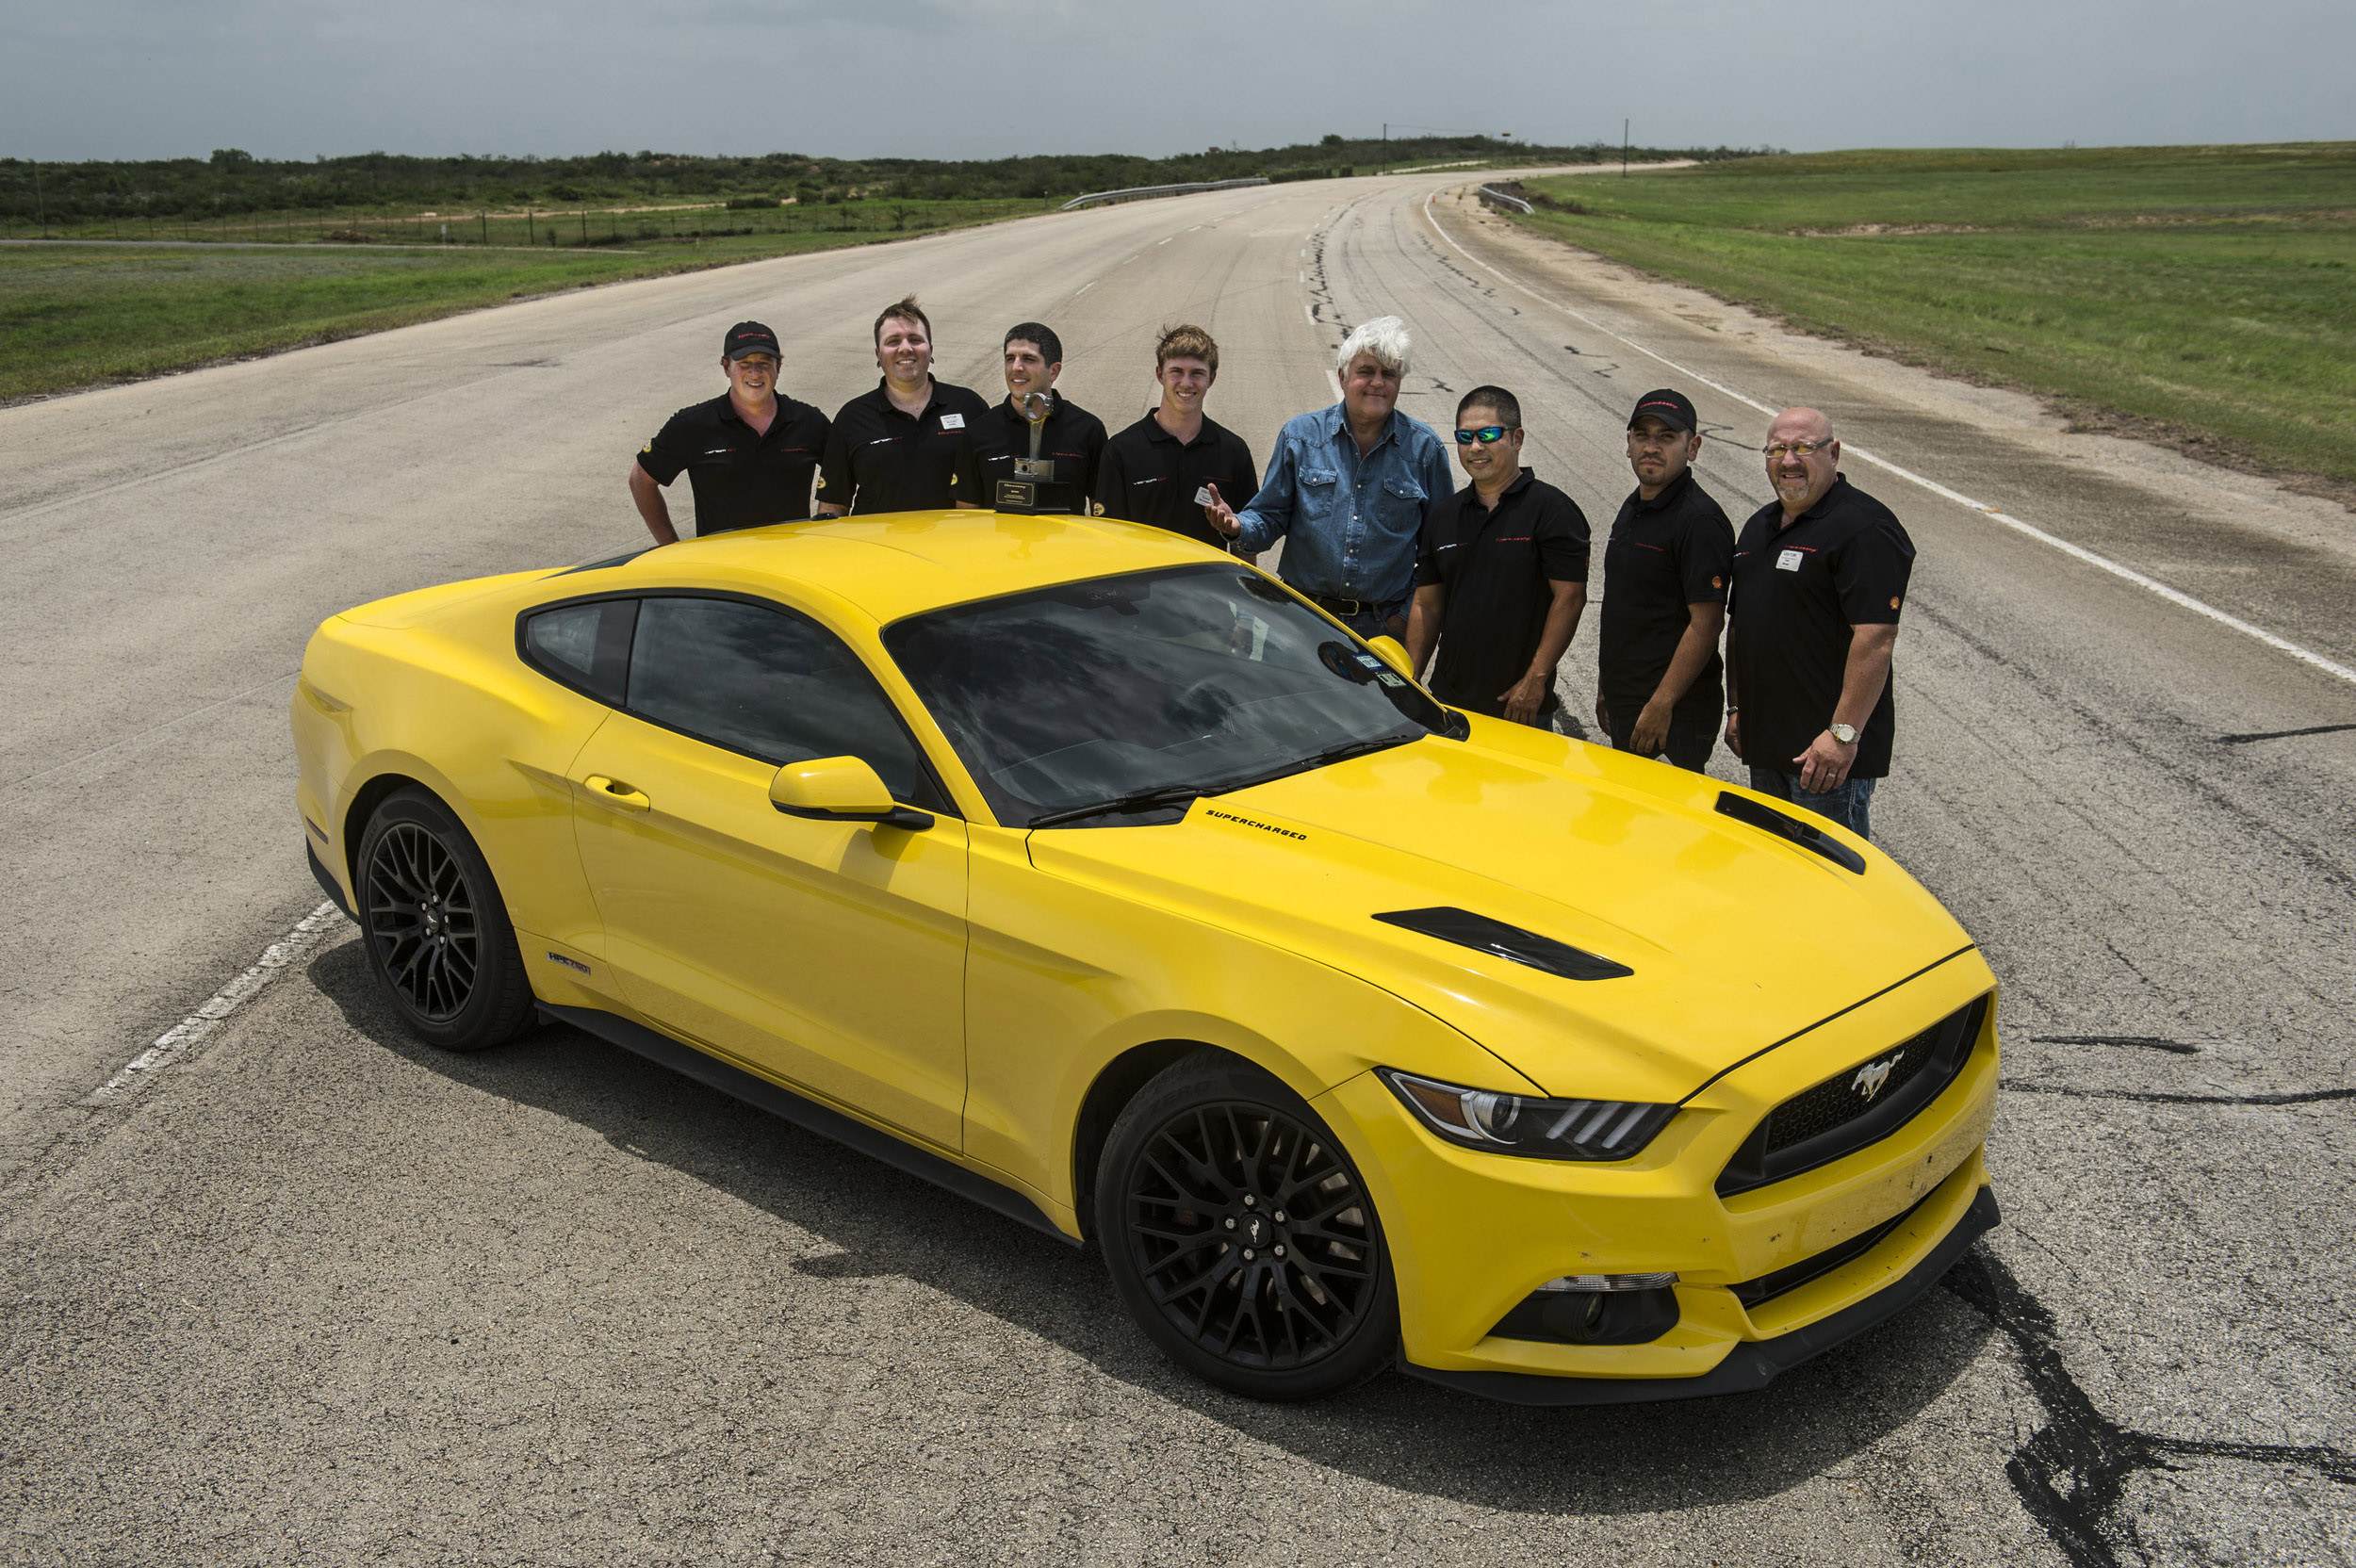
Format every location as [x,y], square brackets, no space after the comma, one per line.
[1738,938]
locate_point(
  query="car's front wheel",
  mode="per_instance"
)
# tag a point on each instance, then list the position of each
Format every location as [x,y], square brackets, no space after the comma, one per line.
[1240,1235]
[436,931]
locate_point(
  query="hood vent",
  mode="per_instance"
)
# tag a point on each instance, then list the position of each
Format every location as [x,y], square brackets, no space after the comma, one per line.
[1811,838]
[1483,935]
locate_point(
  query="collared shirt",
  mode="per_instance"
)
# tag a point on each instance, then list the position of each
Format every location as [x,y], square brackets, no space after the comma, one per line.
[1495,567]
[1664,555]
[1796,594]
[1150,476]
[742,478]
[1071,440]
[881,460]
[1349,523]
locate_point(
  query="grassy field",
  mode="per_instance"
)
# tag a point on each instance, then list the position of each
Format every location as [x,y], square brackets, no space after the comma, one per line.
[2207,294]
[77,315]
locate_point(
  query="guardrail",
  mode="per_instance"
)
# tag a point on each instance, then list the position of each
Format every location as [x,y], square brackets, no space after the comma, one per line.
[1491,193]
[1147,192]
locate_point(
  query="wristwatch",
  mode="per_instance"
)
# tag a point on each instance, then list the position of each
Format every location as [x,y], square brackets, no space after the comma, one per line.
[1844,734]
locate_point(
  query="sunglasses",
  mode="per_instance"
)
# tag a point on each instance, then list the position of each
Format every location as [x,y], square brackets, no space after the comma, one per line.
[1488,435]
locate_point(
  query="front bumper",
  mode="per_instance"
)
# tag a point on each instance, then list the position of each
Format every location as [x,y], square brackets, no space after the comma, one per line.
[1767,1276]
[1749,1365]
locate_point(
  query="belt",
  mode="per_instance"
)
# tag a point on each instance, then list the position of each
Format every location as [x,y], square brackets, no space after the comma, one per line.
[1341,606]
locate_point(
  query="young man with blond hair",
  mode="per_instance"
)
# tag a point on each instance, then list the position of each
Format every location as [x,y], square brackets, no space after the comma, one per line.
[1166,468]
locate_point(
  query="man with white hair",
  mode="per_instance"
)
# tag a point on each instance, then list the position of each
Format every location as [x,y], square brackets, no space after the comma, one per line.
[1348,489]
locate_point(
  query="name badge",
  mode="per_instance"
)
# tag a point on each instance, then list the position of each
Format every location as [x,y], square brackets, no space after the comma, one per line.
[953,421]
[1788,562]
[1202,496]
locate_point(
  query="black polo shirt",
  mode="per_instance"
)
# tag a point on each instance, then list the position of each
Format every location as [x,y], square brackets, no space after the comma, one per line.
[1150,476]
[1073,439]
[1797,592]
[1674,551]
[742,478]
[881,460]
[1494,567]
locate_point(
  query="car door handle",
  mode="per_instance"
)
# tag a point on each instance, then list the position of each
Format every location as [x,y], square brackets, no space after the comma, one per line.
[612,792]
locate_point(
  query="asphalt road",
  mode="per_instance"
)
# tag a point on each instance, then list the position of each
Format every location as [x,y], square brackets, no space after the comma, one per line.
[303,1291]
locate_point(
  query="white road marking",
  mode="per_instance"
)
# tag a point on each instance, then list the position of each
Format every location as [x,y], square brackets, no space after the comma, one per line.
[1166,241]
[1084,288]
[274,961]
[2128,574]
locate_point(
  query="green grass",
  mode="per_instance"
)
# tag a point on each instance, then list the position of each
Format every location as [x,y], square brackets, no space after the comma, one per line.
[73,316]
[2207,291]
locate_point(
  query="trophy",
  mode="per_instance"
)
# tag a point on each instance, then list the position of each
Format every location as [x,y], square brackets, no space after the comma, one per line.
[1021,493]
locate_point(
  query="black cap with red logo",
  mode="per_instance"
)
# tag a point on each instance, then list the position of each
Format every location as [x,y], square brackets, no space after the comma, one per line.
[750,338]
[1673,408]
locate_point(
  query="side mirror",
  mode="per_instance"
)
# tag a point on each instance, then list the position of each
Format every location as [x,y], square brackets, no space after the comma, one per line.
[1392,652]
[840,789]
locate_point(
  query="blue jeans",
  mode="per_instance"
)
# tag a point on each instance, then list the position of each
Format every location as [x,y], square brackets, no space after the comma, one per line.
[1850,804]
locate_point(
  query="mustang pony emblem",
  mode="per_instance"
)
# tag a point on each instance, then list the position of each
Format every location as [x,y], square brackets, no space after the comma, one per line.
[1872,1075]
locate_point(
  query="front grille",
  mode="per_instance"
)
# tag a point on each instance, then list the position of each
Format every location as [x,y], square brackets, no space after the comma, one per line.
[1856,1106]
[1837,1101]
[1768,1286]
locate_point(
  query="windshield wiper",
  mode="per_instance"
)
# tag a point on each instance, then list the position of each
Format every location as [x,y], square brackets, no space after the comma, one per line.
[1136,800]
[1185,794]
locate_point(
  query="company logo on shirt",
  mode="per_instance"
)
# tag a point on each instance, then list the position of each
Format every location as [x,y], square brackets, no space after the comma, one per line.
[1717,582]
[1893,601]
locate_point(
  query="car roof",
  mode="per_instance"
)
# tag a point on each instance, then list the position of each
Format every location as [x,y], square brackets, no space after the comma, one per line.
[903,564]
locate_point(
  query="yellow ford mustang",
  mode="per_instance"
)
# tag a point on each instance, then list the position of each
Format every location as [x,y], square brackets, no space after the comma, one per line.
[1101,879]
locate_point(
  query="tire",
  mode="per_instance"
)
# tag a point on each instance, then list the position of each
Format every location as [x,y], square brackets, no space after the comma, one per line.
[1211,1156]
[436,928]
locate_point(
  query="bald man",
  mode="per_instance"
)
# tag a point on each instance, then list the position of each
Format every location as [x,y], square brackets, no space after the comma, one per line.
[1820,575]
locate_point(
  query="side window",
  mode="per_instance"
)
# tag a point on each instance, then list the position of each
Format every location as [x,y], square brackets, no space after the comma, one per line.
[585,646]
[769,684]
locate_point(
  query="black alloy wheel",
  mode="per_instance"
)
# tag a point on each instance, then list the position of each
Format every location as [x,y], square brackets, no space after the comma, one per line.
[437,934]
[422,916]
[1241,1236]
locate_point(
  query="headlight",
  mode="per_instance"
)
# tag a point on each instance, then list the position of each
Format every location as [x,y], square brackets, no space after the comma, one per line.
[1540,1129]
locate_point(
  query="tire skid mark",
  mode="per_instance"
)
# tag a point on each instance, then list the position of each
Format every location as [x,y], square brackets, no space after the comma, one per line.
[2071,1474]
[2151,1042]
[2162,1097]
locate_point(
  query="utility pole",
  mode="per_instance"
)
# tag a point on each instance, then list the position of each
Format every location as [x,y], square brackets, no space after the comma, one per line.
[1386,146]
[39,206]
[1624,149]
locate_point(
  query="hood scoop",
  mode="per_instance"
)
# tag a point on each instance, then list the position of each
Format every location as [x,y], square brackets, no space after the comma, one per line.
[1483,935]
[1744,809]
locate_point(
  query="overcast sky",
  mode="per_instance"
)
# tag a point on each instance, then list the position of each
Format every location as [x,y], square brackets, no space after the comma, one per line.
[986,79]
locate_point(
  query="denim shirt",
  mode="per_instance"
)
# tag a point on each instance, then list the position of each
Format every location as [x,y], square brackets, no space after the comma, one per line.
[1350,522]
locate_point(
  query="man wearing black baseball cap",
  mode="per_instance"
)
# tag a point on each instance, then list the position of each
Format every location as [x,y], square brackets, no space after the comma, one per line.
[749,455]
[1665,571]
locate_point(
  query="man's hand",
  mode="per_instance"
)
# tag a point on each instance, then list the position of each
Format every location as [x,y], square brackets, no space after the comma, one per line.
[1603,717]
[1221,515]
[1734,734]
[1651,732]
[1524,697]
[1825,765]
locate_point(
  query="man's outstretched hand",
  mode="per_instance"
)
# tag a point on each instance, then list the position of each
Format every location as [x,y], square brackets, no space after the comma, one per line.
[1221,515]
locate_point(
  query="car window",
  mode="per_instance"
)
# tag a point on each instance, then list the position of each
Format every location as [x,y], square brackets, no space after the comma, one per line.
[769,684]
[1086,692]
[585,646]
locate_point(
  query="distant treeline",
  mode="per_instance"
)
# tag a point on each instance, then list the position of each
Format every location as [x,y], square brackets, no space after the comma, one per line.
[232,181]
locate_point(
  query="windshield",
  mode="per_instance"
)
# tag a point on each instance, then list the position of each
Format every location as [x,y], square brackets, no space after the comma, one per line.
[1187,681]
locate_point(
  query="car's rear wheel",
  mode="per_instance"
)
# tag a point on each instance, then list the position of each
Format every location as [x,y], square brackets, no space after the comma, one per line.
[1241,1237]
[438,932]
